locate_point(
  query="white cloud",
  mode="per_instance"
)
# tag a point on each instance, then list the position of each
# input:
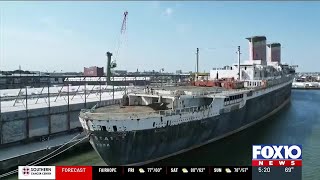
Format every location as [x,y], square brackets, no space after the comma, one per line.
[168,12]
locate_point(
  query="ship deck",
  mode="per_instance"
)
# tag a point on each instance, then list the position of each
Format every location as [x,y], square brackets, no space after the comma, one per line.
[143,111]
[194,90]
[124,109]
[117,112]
[190,88]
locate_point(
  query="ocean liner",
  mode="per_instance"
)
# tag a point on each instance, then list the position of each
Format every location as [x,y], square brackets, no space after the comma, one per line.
[155,123]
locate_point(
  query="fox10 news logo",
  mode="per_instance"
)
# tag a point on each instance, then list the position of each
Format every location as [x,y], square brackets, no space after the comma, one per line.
[276,155]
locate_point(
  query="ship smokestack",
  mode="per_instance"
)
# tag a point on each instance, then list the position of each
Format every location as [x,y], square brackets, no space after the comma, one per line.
[257,48]
[274,52]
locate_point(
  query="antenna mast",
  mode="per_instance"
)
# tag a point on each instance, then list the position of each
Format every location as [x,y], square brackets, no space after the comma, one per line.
[239,74]
[197,73]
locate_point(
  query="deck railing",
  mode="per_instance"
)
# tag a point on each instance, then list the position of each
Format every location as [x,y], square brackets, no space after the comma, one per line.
[179,111]
[170,112]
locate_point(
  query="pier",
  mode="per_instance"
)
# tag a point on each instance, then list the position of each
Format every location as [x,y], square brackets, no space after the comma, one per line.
[36,121]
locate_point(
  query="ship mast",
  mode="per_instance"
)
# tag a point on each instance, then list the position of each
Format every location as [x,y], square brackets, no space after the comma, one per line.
[239,74]
[197,68]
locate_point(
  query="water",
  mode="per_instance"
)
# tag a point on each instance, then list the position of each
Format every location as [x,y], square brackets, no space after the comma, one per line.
[297,123]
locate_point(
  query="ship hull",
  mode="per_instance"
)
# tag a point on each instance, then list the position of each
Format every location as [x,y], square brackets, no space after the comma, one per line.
[145,146]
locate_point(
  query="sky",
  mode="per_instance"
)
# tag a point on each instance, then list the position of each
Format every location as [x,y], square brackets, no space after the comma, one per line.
[67,36]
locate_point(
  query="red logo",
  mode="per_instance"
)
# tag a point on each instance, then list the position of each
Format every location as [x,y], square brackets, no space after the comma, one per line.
[25,171]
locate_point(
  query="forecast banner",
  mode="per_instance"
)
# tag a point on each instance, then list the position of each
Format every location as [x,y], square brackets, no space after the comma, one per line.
[103,172]
[268,162]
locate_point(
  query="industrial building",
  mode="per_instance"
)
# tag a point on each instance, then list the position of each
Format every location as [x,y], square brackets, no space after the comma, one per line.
[93,71]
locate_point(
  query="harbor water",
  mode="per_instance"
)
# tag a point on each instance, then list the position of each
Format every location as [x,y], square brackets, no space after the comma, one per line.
[297,123]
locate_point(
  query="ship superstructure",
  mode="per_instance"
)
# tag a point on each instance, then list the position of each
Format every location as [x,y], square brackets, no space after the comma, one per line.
[155,123]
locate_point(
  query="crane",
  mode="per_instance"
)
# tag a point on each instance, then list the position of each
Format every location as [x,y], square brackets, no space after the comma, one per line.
[122,35]
[113,64]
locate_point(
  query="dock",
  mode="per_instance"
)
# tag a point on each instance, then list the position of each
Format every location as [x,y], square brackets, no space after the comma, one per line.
[35,124]
[306,85]
[23,154]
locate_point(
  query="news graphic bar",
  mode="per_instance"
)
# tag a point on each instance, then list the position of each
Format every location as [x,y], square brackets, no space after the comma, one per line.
[277,172]
[277,161]
[188,171]
[103,172]
[36,172]
[73,172]
[219,172]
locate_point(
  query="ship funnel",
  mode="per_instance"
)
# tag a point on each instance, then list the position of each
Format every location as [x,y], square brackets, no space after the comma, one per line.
[257,48]
[274,52]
